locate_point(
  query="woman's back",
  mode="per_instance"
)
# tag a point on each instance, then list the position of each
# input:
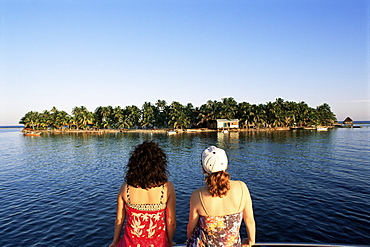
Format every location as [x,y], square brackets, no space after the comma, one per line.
[145,196]
[146,204]
[232,203]
[217,209]
[145,219]
[219,217]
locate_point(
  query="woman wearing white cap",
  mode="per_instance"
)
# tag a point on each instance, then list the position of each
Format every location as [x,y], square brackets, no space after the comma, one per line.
[217,209]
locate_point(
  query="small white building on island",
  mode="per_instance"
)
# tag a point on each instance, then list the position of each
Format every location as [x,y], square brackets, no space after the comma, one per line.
[227,123]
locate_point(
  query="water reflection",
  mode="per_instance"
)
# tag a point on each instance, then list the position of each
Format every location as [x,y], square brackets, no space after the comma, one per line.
[304,184]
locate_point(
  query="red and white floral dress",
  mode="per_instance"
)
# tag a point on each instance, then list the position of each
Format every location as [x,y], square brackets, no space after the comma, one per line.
[145,225]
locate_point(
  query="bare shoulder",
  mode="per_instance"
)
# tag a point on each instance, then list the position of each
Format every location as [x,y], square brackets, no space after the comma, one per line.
[195,195]
[195,192]
[237,183]
[194,199]
[169,184]
[123,188]
[170,187]
[122,191]
[203,190]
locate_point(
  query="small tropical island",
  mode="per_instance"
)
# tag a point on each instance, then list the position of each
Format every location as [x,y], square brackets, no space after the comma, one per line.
[160,116]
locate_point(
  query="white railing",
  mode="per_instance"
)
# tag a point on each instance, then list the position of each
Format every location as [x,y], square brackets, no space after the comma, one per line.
[309,245]
[301,245]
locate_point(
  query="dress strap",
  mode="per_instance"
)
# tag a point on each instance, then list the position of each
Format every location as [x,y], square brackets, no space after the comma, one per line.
[128,195]
[162,193]
[201,201]
[241,199]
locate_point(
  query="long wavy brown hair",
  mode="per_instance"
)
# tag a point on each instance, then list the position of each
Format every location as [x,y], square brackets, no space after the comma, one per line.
[147,166]
[218,183]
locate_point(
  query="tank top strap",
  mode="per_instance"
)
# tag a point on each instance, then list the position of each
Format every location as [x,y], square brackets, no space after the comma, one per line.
[241,199]
[128,194]
[201,201]
[162,194]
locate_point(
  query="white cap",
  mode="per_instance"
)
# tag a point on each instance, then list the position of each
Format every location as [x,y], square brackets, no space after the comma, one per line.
[214,160]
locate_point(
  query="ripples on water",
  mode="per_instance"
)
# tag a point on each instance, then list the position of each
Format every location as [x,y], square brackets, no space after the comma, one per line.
[61,189]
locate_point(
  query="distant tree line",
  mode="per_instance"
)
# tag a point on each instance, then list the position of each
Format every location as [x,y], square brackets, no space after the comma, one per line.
[279,113]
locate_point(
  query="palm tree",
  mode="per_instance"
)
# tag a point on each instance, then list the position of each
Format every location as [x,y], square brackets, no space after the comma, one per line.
[53,115]
[228,108]
[208,113]
[132,115]
[45,119]
[63,118]
[312,117]
[178,116]
[148,115]
[270,116]
[118,118]
[57,118]
[325,115]
[291,114]
[215,108]
[203,116]
[259,116]
[190,113]
[30,120]
[281,112]
[82,117]
[302,112]
[243,114]
[161,118]
[103,116]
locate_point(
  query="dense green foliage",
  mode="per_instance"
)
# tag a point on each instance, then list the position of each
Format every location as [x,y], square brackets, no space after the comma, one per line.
[279,113]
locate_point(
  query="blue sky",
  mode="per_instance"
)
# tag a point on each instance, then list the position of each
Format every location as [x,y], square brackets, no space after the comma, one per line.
[119,53]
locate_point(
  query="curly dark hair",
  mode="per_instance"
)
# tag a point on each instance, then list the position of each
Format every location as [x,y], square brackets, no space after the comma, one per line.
[147,166]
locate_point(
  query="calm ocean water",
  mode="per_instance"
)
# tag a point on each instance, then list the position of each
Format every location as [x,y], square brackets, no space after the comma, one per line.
[306,186]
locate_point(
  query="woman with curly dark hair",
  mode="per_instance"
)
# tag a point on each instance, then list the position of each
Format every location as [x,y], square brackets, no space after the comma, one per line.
[217,209]
[146,201]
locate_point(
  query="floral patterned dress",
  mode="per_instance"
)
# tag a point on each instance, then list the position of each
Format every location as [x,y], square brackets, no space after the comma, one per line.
[145,225]
[216,230]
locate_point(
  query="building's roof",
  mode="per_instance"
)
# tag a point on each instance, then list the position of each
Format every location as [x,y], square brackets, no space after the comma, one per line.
[348,119]
[227,120]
